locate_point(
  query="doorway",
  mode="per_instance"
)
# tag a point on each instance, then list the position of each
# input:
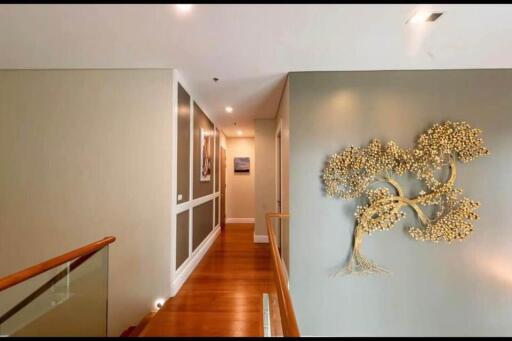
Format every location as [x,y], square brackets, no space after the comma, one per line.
[222,188]
[279,208]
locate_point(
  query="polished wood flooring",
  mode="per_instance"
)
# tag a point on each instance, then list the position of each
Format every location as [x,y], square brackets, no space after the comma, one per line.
[223,296]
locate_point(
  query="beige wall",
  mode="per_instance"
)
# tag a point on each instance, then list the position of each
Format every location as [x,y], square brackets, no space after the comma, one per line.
[282,122]
[265,170]
[85,154]
[239,186]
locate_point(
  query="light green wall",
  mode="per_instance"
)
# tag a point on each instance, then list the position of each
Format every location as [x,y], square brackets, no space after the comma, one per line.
[86,154]
[434,289]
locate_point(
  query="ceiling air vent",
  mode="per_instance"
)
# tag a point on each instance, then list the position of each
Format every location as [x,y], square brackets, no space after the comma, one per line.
[434,16]
[422,17]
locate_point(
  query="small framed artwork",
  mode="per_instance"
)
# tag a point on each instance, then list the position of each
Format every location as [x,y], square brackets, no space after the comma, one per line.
[206,156]
[242,164]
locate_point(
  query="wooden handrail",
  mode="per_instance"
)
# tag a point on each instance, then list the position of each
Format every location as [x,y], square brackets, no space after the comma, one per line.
[47,285]
[23,275]
[288,319]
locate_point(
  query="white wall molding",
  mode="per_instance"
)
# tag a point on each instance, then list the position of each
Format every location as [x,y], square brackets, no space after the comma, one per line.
[196,202]
[174,170]
[260,238]
[239,220]
[186,269]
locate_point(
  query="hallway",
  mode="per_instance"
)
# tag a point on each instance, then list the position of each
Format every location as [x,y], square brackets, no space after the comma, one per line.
[223,296]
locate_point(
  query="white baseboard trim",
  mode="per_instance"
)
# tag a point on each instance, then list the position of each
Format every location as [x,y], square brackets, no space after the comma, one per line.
[260,238]
[190,264]
[239,220]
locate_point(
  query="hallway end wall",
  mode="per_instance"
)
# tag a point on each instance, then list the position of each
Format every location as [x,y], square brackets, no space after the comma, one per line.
[239,186]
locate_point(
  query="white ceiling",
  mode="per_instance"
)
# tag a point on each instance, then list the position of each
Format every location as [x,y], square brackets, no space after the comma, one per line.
[250,48]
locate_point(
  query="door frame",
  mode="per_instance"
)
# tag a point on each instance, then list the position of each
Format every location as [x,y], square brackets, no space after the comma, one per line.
[222,188]
[279,176]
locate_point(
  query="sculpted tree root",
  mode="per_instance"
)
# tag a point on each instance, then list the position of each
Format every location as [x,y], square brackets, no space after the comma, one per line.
[359,264]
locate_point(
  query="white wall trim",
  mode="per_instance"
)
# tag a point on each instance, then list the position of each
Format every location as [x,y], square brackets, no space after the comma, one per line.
[174,170]
[195,202]
[239,220]
[260,238]
[186,269]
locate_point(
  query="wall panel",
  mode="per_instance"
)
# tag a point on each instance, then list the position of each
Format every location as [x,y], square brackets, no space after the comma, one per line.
[183,182]
[182,238]
[203,215]
[217,211]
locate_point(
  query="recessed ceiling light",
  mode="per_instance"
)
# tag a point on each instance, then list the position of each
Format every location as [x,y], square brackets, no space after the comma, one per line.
[229,109]
[421,17]
[184,7]
[239,133]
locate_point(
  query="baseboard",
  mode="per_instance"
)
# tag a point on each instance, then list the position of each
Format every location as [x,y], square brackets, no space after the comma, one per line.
[239,220]
[260,238]
[190,264]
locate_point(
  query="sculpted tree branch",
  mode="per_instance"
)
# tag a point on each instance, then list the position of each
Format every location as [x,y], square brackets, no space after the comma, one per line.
[352,172]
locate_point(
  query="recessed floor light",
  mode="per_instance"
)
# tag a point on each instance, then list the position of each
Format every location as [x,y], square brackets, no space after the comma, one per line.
[421,17]
[239,133]
[184,7]
[229,109]
[159,303]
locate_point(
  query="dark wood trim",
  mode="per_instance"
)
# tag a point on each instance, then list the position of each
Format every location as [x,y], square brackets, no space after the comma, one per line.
[23,275]
[288,319]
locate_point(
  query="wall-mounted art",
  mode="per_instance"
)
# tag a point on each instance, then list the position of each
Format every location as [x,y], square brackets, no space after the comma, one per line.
[206,156]
[242,164]
[372,171]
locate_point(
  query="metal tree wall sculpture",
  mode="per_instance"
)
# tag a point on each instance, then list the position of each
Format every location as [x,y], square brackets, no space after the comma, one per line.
[350,174]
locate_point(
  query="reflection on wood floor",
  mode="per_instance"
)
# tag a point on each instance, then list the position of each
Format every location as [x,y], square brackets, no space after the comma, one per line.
[223,296]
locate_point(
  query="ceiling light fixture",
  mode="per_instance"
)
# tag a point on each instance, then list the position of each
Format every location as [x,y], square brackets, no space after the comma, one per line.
[184,7]
[229,109]
[421,17]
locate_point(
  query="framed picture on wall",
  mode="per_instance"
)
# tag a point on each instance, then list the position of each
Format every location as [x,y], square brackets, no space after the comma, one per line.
[206,156]
[242,164]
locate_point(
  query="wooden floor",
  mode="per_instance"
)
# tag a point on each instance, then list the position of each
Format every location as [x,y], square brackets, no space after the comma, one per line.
[223,296]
